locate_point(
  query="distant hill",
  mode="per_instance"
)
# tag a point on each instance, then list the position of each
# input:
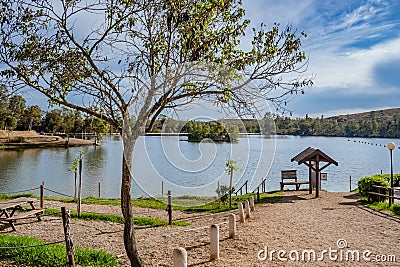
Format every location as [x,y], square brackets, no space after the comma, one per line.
[378,123]
[381,115]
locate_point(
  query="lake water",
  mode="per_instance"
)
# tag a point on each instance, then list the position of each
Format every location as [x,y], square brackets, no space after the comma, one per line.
[192,168]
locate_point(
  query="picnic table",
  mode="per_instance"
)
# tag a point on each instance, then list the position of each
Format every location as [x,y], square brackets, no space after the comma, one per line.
[8,210]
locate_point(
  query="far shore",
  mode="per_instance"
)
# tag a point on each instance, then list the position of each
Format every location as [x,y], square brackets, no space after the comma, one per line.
[31,139]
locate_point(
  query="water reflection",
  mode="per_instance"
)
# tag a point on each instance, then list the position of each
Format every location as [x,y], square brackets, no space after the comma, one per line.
[192,168]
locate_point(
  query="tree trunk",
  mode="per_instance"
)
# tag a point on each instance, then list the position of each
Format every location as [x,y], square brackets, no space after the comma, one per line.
[126,207]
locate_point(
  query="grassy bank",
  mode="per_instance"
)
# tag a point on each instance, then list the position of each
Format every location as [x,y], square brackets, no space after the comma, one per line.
[382,206]
[49,255]
[183,203]
[139,221]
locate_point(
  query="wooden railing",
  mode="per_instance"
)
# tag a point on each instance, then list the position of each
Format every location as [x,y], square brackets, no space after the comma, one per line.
[262,185]
[241,189]
[382,193]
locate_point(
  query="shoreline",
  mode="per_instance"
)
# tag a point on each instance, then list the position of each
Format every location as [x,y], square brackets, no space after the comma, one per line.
[30,139]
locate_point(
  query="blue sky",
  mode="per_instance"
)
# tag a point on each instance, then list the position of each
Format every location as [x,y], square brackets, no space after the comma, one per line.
[353,48]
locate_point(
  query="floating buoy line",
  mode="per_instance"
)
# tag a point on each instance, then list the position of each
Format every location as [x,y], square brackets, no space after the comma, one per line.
[367,143]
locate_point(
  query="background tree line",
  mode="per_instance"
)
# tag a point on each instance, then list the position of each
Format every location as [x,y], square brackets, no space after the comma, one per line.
[16,115]
[381,123]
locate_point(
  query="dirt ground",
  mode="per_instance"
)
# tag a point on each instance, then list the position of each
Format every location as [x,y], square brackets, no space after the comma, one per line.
[33,139]
[335,227]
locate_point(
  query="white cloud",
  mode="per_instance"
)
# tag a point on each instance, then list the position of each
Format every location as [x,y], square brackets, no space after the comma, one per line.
[361,14]
[352,69]
[270,11]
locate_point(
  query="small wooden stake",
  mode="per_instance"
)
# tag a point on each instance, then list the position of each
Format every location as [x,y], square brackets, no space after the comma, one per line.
[80,186]
[99,189]
[169,207]
[42,195]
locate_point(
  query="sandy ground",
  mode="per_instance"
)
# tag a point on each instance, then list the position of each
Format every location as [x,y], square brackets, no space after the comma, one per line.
[33,139]
[334,226]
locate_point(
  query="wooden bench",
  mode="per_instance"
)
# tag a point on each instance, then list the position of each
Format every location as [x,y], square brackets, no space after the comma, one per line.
[22,215]
[290,175]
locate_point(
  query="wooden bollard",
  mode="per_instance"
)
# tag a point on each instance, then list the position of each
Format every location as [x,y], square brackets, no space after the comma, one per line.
[214,242]
[252,203]
[232,225]
[255,199]
[180,257]
[241,213]
[247,208]
[169,207]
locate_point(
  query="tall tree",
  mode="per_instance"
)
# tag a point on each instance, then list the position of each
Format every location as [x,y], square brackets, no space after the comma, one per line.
[53,121]
[32,118]
[130,61]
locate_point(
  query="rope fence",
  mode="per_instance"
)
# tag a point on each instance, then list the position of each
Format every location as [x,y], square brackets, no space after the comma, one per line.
[22,191]
[55,192]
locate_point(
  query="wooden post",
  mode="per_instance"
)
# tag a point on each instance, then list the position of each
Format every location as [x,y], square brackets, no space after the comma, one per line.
[68,240]
[180,257]
[214,242]
[232,225]
[99,189]
[42,195]
[230,189]
[169,207]
[247,208]
[317,177]
[258,193]
[80,186]
[76,176]
[246,187]
[350,183]
[162,189]
[309,178]
[241,213]
[252,203]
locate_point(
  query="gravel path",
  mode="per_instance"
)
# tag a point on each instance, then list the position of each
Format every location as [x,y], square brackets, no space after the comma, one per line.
[298,224]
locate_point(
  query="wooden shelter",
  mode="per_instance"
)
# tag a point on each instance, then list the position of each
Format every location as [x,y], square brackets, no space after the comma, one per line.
[312,157]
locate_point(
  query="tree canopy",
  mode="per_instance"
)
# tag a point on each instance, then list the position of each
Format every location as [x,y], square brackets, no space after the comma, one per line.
[130,60]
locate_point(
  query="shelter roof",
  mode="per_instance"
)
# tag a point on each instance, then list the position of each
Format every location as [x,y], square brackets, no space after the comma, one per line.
[312,154]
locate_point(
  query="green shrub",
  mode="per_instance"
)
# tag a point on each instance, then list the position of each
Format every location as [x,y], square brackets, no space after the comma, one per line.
[365,184]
